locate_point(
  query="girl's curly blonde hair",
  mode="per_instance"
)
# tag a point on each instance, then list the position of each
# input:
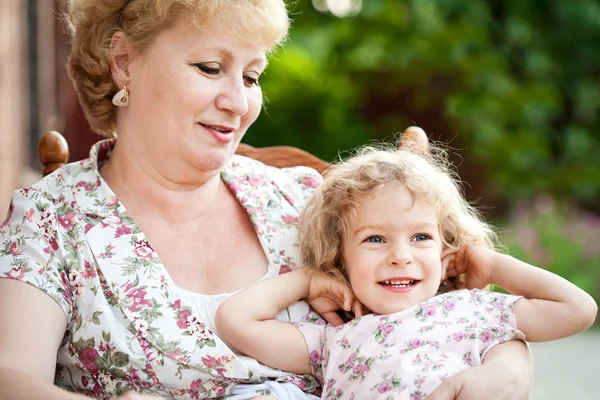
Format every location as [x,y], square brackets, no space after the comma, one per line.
[325,219]
[92,24]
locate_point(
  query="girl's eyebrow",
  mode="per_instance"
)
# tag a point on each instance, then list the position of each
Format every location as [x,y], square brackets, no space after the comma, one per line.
[415,225]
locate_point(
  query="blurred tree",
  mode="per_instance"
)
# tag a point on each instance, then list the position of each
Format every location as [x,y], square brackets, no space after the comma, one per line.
[515,85]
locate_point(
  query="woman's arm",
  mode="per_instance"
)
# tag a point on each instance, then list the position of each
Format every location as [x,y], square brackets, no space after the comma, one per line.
[32,326]
[506,374]
[247,320]
[552,307]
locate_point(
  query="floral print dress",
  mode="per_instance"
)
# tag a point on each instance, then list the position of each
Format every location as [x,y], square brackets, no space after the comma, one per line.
[129,326]
[408,354]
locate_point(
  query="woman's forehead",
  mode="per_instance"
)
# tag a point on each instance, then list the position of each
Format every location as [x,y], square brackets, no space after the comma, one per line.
[189,41]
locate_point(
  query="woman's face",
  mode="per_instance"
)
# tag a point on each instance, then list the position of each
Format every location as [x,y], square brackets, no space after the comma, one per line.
[193,97]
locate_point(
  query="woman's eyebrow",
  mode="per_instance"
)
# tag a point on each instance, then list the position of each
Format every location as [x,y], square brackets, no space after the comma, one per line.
[228,55]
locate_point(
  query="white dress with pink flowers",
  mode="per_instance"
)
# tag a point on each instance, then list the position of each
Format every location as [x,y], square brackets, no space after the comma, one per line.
[408,354]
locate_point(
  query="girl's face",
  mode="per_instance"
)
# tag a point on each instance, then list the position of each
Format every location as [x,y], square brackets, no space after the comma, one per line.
[392,251]
[193,97]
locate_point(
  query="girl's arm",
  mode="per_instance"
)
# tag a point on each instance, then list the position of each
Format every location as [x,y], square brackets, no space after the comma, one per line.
[247,321]
[552,307]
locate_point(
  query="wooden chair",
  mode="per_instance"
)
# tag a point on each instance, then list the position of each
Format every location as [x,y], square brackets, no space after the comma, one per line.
[53,151]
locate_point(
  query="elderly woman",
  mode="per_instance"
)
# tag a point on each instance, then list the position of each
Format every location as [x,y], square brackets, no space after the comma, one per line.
[118,263]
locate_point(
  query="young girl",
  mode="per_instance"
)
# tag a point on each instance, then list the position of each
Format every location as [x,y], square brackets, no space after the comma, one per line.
[392,225]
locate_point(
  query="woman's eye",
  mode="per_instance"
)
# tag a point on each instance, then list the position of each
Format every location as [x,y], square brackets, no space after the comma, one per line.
[251,81]
[208,70]
[421,237]
[374,239]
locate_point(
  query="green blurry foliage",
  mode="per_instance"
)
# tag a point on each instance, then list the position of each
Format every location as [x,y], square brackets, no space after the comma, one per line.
[513,84]
[560,238]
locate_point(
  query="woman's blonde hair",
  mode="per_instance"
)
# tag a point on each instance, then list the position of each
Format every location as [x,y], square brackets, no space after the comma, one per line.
[325,219]
[92,24]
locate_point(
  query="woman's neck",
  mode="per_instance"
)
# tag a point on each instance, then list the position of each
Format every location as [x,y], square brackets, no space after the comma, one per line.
[143,188]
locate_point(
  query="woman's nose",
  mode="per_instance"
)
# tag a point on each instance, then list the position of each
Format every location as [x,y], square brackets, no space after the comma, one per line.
[233,97]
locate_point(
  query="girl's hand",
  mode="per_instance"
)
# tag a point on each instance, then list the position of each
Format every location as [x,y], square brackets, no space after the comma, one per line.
[326,295]
[475,261]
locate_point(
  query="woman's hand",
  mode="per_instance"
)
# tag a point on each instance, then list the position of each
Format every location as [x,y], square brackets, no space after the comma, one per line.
[475,261]
[326,295]
[506,374]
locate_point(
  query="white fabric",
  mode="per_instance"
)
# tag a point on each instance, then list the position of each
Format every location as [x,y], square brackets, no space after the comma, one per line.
[281,391]
[206,307]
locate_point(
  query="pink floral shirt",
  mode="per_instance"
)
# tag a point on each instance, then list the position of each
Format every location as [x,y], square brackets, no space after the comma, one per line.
[408,354]
[129,326]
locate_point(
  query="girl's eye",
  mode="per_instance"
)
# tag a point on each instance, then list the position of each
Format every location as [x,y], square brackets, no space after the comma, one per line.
[208,70]
[374,239]
[251,81]
[421,237]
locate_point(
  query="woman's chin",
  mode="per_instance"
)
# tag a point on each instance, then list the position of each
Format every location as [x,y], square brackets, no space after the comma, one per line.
[213,160]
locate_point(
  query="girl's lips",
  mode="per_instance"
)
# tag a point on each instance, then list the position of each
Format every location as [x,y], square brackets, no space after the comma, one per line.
[221,137]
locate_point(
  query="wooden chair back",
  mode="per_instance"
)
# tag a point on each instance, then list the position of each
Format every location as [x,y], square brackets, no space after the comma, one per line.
[53,151]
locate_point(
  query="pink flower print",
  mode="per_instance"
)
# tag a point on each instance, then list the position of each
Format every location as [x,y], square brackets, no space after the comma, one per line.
[16,273]
[53,246]
[366,368]
[138,300]
[314,356]
[182,321]
[485,336]
[112,202]
[29,214]
[256,180]
[84,381]
[15,248]
[88,359]
[220,390]
[211,362]
[176,305]
[284,269]
[415,343]
[122,229]
[88,227]
[288,199]
[458,336]
[429,310]
[67,220]
[384,387]
[289,219]
[143,250]
[388,329]
[311,182]
[233,188]
[449,306]
[357,369]
[84,185]
[137,296]
[195,385]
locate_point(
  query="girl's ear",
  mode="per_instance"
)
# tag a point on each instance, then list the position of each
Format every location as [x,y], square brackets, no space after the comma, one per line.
[120,55]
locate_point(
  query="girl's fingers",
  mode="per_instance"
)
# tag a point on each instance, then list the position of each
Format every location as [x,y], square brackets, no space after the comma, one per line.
[357,309]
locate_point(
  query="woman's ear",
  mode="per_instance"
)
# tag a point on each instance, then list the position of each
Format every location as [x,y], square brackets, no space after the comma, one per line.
[121,53]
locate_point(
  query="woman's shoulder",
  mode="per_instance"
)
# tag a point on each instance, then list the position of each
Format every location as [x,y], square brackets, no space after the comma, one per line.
[298,180]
